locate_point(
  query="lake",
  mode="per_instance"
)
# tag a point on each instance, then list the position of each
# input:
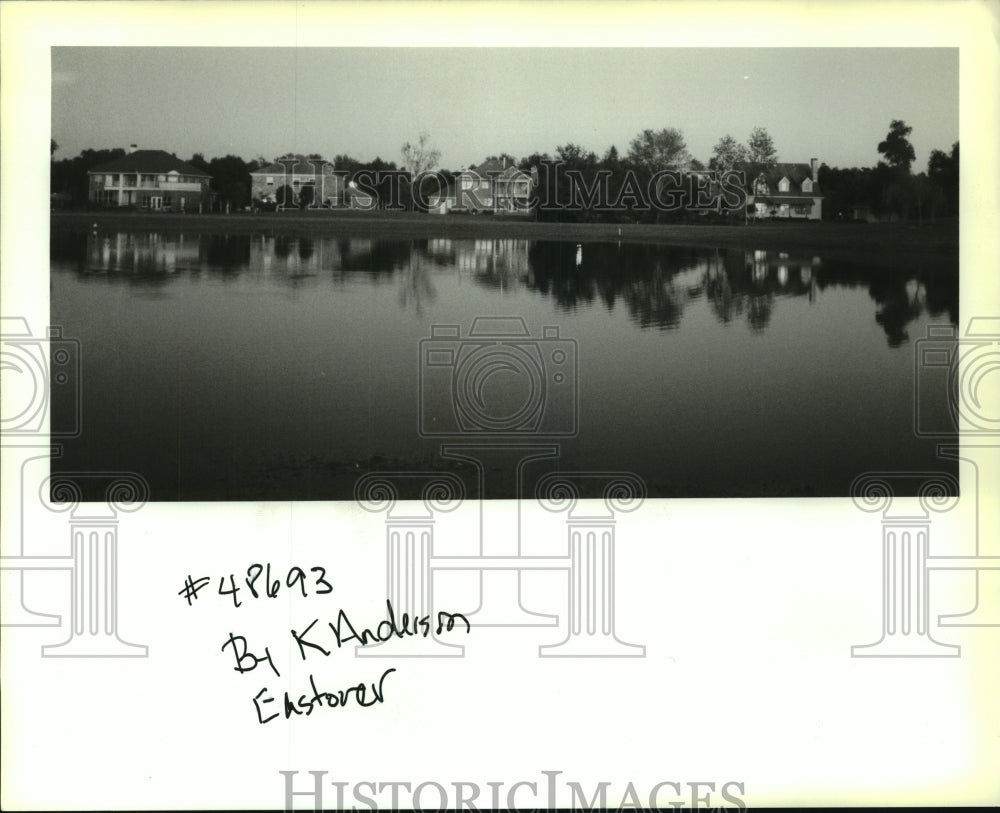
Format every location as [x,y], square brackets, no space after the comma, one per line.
[273,367]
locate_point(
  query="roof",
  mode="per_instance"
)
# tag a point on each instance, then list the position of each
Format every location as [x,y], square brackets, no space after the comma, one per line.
[491,165]
[151,162]
[300,167]
[796,173]
[494,165]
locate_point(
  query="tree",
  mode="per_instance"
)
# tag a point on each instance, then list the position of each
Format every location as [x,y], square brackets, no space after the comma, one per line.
[727,154]
[761,156]
[420,157]
[69,175]
[654,150]
[896,147]
[920,193]
[942,170]
[285,196]
[231,180]
[529,162]
[760,150]
[576,156]
[198,160]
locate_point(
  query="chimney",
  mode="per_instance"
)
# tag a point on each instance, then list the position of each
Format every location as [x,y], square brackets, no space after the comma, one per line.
[132,148]
[814,166]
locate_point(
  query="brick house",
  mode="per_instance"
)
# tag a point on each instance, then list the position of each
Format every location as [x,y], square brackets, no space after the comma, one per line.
[492,186]
[323,186]
[150,179]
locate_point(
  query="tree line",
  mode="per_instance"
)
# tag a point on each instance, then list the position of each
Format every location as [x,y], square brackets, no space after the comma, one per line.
[890,189]
[887,190]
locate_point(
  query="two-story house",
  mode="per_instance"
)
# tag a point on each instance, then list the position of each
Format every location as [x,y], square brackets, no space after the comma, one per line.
[493,186]
[311,183]
[787,191]
[150,179]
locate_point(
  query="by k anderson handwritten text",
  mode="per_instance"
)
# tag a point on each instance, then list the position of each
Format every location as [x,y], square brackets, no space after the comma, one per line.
[317,639]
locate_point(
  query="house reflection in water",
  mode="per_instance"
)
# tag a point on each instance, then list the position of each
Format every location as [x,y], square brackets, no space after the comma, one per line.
[778,271]
[143,253]
[293,257]
[654,283]
[498,264]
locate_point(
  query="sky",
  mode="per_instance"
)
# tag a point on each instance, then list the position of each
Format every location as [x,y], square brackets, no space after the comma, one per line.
[834,104]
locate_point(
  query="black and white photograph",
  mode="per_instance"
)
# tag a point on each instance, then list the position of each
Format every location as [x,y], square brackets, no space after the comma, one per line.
[705,266]
[497,405]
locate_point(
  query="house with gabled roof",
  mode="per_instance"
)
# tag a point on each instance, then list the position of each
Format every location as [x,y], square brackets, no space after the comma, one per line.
[150,179]
[311,183]
[495,185]
[787,191]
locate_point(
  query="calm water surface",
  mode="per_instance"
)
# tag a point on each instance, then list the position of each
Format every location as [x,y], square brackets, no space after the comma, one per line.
[270,367]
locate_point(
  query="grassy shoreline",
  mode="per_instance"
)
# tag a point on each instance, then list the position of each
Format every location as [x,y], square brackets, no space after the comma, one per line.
[931,246]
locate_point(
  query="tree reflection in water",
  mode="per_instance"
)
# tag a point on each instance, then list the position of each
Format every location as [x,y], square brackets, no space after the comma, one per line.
[655,283]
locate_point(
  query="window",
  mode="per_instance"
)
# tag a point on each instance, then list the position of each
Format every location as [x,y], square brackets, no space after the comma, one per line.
[270,180]
[783,185]
[807,185]
[162,178]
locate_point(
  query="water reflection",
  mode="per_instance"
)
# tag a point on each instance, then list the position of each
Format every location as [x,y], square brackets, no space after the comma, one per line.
[282,366]
[655,284]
